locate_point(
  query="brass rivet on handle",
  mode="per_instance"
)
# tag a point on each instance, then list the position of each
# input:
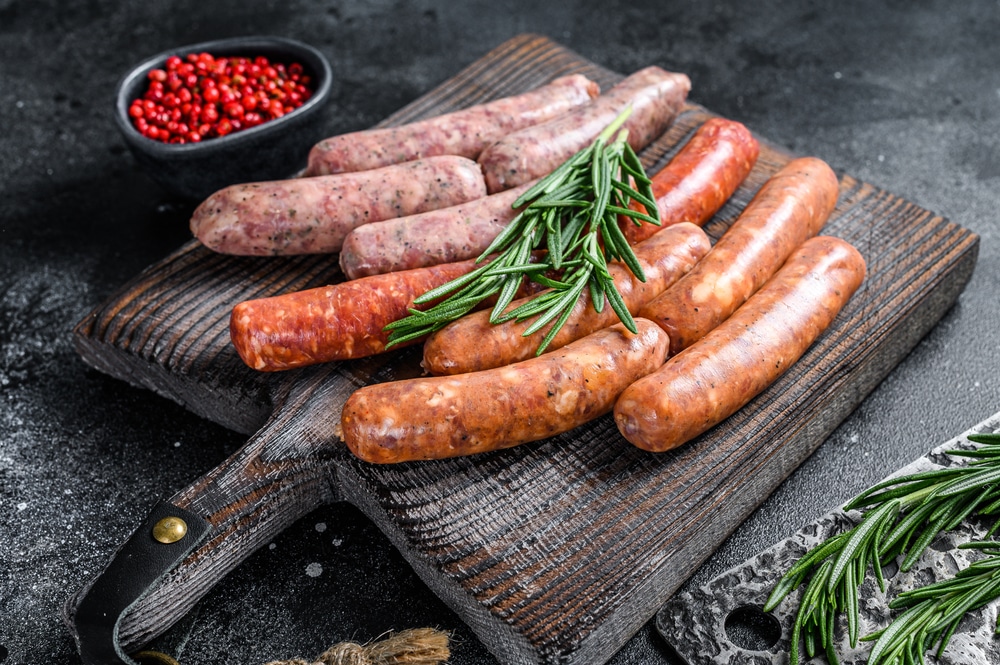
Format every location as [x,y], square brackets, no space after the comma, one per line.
[154,657]
[170,530]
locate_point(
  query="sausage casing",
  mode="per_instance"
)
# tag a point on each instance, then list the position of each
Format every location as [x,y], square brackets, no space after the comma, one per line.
[656,97]
[790,207]
[448,416]
[328,323]
[313,215]
[472,343]
[465,132]
[437,236]
[700,178]
[713,378]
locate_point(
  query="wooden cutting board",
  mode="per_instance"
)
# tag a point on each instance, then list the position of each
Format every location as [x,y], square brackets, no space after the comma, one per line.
[556,551]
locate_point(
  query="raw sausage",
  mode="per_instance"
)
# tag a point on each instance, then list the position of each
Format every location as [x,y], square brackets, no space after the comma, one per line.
[700,178]
[465,132]
[312,215]
[472,343]
[656,97]
[438,236]
[790,207]
[438,417]
[713,378]
[335,322]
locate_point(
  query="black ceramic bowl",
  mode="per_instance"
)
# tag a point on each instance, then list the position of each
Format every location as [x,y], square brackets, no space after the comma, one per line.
[272,150]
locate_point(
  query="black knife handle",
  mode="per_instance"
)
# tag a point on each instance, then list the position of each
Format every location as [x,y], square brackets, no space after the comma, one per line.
[135,569]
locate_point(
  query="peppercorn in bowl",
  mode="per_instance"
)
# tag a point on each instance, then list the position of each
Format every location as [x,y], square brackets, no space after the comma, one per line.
[202,117]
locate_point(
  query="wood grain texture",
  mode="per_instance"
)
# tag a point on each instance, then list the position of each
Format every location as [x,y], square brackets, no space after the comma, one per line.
[554,552]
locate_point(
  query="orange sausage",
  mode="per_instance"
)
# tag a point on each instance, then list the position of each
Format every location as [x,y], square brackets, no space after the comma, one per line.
[328,323]
[700,178]
[448,416]
[714,377]
[791,206]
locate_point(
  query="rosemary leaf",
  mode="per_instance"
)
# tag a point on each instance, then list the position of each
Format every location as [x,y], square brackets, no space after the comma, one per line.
[597,298]
[989,453]
[861,537]
[636,216]
[972,481]
[549,336]
[553,241]
[618,305]
[565,301]
[624,251]
[633,195]
[851,604]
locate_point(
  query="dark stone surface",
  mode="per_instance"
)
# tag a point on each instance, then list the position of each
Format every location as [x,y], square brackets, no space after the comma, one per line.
[902,94]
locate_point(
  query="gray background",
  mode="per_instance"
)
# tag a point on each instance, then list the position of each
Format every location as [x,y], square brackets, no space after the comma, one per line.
[901,94]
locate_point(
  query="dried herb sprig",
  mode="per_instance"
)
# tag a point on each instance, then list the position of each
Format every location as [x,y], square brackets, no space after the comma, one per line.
[902,516]
[572,214]
[933,612]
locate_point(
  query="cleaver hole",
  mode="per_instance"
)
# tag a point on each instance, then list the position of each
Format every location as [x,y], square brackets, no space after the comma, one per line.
[3,653]
[750,628]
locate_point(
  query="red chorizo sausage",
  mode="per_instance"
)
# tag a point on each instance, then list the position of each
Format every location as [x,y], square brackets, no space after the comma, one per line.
[713,378]
[312,215]
[472,343]
[328,323]
[438,236]
[656,97]
[465,132]
[790,207]
[700,178]
[438,417]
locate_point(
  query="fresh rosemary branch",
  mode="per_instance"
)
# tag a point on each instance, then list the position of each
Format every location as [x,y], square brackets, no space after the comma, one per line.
[933,612]
[901,517]
[572,214]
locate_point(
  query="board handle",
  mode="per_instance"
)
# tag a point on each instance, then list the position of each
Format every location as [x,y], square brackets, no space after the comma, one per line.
[282,473]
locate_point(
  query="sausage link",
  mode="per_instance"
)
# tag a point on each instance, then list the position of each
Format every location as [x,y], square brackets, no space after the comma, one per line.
[438,236]
[472,343]
[438,417]
[712,379]
[700,178]
[465,132]
[313,215]
[656,97]
[792,206]
[328,323]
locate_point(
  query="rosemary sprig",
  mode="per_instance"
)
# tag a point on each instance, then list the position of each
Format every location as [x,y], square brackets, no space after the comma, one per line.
[901,517]
[933,612]
[571,214]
